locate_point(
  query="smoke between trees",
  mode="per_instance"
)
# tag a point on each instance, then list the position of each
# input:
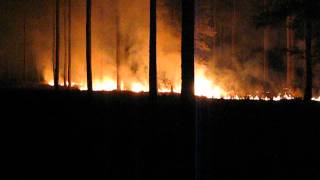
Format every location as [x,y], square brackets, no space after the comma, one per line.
[213,52]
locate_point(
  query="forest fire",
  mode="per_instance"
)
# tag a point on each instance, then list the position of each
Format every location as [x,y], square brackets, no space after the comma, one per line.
[204,87]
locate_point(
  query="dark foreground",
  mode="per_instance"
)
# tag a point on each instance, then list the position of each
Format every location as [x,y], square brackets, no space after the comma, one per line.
[69,135]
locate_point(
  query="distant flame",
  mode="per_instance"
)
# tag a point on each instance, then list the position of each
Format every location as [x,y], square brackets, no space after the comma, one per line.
[204,86]
[316,99]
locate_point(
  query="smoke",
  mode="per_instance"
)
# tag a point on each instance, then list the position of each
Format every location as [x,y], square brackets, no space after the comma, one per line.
[241,72]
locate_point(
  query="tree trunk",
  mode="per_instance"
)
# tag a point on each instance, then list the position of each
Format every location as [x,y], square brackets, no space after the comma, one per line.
[53,38]
[65,66]
[186,140]
[266,48]
[69,43]
[153,90]
[24,49]
[318,46]
[233,34]
[88,46]
[57,48]
[214,29]
[188,24]
[118,47]
[290,65]
[308,54]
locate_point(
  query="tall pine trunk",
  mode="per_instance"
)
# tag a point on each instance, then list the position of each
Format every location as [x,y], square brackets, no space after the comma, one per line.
[290,64]
[57,48]
[318,46]
[266,49]
[214,29]
[118,47]
[233,32]
[153,50]
[65,66]
[187,48]
[88,46]
[69,43]
[308,54]
[187,138]
[24,49]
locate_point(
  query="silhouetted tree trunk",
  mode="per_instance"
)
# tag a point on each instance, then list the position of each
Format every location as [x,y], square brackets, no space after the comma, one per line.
[266,49]
[153,90]
[118,47]
[65,66]
[188,24]
[57,48]
[222,40]
[88,46]
[186,140]
[290,69]
[233,32]
[24,49]
[214,30]
[308,54]
[69,43]
[318,45]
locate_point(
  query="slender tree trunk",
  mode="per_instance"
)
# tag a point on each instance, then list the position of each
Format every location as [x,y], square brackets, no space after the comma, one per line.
[214,26]
[53,38]
[153,90]
[24,49]
[233,33]
[118,47]
[69,42]
[88,46]
[318,46]
[65,66]
[57,48]
[222,36]
[290,68]
[266,49]
[188,24]
[308,54]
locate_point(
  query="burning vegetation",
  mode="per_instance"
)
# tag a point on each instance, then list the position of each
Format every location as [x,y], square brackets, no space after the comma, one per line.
[233,58]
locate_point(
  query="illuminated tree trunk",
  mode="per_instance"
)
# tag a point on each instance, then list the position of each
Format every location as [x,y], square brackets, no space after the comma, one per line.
[290,65]
[57,48]
[69,43]
[118,47]
[308,54]
[153,90]
[88,46]
[188,24]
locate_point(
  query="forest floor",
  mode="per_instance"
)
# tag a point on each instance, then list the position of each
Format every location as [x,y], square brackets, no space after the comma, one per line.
[72,135]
